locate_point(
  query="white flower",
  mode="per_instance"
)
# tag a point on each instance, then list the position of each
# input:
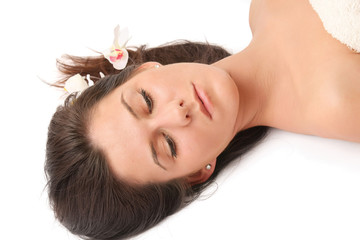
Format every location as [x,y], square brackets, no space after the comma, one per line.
[76,83]
[117,54]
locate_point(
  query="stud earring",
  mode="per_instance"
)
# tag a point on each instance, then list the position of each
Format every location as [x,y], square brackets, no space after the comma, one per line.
[157,66]
[208,167]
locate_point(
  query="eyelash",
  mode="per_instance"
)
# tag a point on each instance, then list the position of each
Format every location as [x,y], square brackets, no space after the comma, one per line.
[150,104]
[172,145]
[148,99]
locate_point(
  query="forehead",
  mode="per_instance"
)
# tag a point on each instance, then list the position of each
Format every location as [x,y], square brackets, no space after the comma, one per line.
[170,72]
[111,129]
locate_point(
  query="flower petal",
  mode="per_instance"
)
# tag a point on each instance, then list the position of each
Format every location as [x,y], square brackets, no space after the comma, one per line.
[116,36]
[117,54]
[123,37]
[90,82]
[121,63]
[75,83]
[107,54]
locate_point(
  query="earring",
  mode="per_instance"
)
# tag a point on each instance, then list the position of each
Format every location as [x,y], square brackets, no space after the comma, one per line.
[157,66]
[208,167]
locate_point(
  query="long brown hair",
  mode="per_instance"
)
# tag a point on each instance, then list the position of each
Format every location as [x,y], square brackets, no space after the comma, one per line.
[84,194]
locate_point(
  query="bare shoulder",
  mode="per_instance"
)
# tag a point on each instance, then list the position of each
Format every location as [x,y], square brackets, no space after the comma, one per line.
[336,106]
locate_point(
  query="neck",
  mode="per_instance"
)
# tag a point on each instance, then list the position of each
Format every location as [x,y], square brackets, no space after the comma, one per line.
[258,76]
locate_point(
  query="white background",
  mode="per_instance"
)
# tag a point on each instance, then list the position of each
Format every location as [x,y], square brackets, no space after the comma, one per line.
[290,187]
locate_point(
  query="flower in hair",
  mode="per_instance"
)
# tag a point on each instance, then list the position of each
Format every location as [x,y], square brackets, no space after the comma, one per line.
[117,54]
[77,83]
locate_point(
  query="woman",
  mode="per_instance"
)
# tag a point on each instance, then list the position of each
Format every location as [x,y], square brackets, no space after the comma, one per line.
[142,143]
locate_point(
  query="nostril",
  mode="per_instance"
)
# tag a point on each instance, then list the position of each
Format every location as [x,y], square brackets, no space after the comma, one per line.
[187,116]
[181,104]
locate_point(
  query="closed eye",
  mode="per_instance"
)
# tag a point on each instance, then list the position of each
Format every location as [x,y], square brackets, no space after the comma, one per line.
[172,145]
[148,99]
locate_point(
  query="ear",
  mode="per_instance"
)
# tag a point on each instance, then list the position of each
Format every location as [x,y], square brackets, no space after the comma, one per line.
[201,175]
[147,65]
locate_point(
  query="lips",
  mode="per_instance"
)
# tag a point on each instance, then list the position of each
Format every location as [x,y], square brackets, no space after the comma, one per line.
[204,101]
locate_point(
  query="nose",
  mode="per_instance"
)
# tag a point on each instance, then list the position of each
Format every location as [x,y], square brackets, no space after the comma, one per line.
[173,114]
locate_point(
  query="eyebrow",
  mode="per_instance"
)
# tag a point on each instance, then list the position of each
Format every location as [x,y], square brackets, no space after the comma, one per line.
[153,151]
[155,157]
[127,106]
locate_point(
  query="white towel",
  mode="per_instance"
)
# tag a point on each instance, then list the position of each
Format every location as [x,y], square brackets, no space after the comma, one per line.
[341,18]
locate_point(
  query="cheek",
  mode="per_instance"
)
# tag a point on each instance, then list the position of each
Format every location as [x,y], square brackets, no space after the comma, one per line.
[229,101]
[200,145]
[162,91]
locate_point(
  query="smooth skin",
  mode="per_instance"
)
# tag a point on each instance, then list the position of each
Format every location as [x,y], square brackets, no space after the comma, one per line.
[127,122]
[293,76]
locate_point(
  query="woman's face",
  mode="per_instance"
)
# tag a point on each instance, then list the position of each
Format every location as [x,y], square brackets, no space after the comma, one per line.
[167,122]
